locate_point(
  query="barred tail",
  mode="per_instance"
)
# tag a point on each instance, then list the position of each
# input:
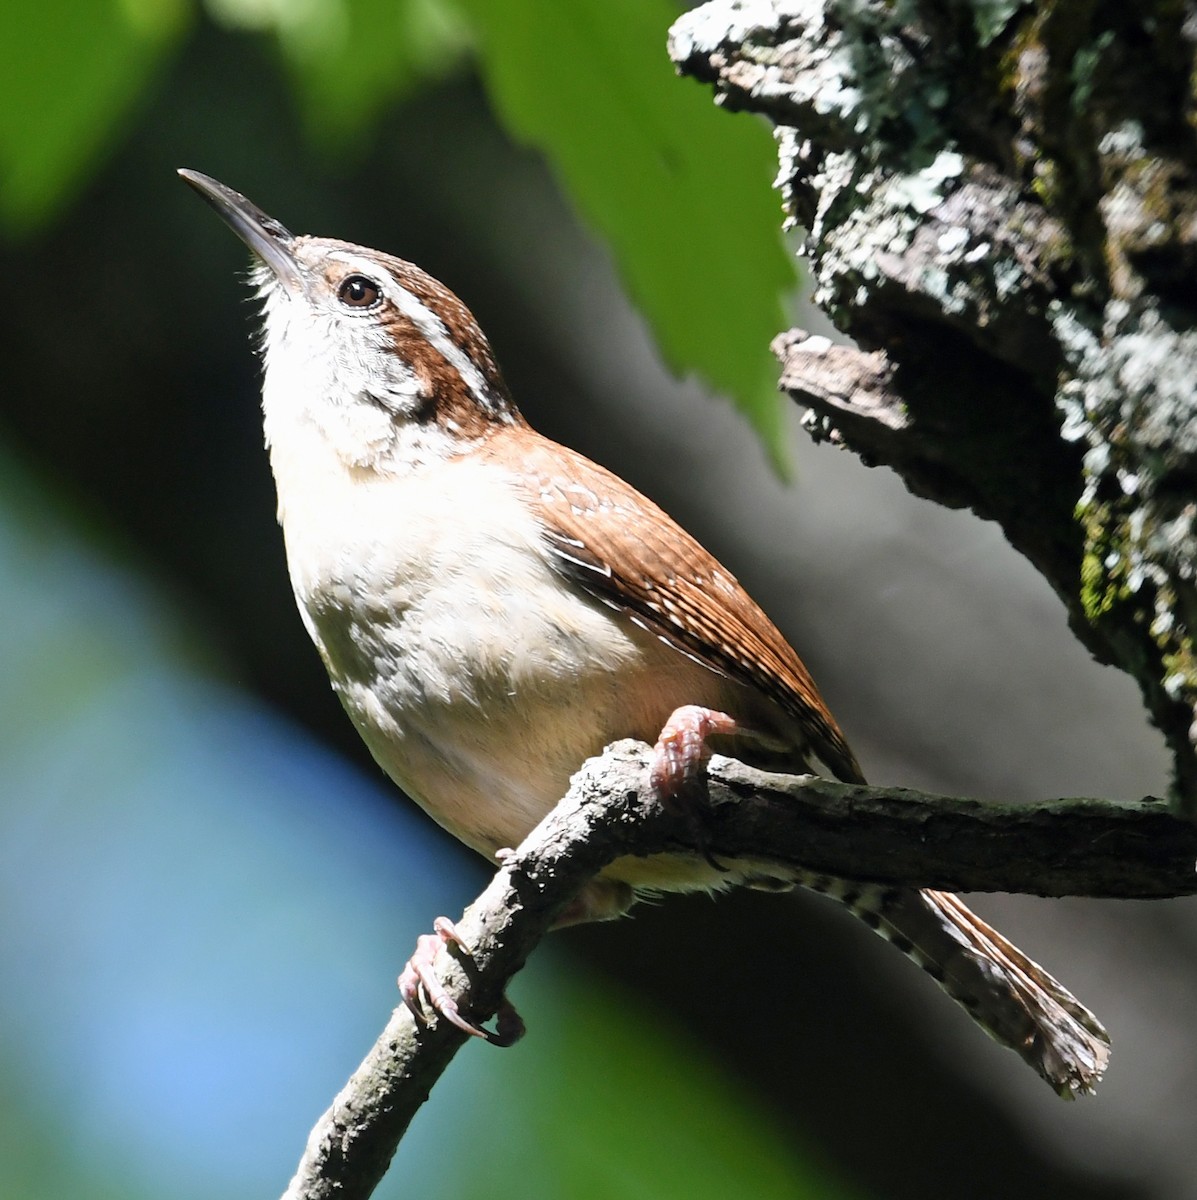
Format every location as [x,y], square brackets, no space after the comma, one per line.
[1012,998]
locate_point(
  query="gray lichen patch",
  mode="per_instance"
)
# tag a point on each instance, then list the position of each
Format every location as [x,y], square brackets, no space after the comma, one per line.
[853,69]
[1130,400]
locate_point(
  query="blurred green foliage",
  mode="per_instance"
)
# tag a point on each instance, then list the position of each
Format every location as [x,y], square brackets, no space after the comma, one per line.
[678,190]
[350,60]
[67,81]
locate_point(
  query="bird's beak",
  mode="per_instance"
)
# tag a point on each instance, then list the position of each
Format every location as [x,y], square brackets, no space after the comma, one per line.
[266,237]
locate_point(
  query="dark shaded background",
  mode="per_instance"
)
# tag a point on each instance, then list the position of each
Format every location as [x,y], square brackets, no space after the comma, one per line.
[129,385]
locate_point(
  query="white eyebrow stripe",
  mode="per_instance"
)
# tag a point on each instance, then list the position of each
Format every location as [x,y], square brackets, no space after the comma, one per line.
[437,333]
[434,330]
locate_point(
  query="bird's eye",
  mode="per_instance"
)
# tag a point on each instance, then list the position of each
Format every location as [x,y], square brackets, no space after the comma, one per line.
[356,291]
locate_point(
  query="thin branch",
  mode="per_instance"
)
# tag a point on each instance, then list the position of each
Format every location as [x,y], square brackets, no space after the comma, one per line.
[1058,848]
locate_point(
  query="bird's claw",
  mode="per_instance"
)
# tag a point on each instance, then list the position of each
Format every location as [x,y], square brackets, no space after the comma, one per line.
[682,749]
[422,990]
[678,758]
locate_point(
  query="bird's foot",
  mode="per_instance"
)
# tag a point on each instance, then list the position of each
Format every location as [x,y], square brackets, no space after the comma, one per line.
[681,750]
[422,990]
[679,756]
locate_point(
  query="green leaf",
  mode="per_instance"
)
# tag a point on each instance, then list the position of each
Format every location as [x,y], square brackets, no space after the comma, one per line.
[679,189]
[67,80]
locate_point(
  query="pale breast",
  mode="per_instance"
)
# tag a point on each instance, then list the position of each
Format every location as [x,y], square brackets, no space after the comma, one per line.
[479,678]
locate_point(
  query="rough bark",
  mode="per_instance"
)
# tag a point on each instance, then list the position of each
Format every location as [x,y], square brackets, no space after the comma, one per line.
[1000,206]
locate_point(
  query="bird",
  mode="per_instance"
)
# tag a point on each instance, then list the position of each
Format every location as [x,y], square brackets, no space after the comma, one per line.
[494,608]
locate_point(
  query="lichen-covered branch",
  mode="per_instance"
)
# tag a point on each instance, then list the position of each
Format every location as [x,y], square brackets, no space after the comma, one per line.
[1063,847]
[1000,206]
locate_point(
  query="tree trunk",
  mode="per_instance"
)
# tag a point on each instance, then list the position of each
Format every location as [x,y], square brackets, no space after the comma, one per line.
[1000,210]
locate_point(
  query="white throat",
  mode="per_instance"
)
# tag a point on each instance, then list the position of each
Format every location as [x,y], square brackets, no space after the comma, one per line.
[336,407]
[334,381]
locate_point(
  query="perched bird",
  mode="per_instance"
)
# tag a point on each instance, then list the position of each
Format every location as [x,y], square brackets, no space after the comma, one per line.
[494,608]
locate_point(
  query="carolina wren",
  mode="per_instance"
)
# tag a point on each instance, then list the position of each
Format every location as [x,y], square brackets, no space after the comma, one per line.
[493,609]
